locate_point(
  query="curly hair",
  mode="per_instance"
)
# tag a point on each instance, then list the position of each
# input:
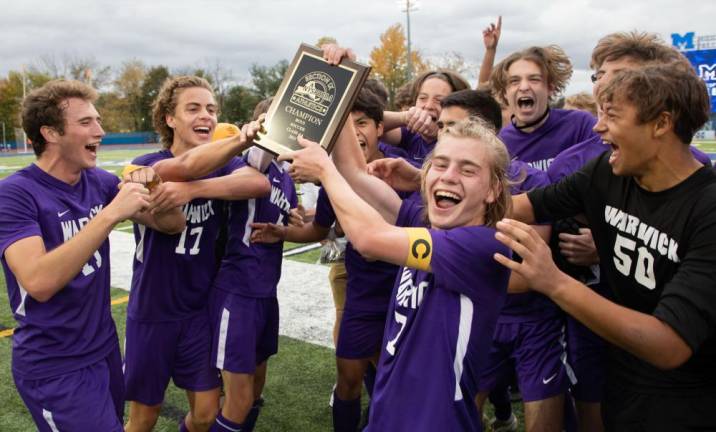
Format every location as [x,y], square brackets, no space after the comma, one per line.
[45,106]
[481,131]
[552,60]
[166,103]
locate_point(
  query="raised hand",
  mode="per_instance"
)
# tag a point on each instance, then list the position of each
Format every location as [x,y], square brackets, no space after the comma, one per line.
[397,173]
[307,164]
[491,34]
[141,174]
[421,121]
[333,54]
[131,198]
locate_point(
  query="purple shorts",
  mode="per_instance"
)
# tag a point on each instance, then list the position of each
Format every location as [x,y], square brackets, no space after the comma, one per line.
[536,352]
[245,331]
[587,355]
[88,399]
[155,352]
[360,335]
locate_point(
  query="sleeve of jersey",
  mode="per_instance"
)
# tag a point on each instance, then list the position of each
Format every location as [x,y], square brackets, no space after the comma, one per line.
[688,301]
[233,165]
[110,182]
[325,216]
[462,260]
[18,216]
[564,198]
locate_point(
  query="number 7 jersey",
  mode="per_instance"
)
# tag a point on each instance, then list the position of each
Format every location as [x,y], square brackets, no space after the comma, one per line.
[439,331]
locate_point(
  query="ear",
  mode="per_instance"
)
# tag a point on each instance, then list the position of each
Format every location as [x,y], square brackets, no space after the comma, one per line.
[379,129]
[169,119]
[493,193]
[663,124]
[49,133]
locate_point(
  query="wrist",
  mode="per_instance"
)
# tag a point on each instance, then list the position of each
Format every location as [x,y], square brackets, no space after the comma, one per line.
[559,286]
[108,217]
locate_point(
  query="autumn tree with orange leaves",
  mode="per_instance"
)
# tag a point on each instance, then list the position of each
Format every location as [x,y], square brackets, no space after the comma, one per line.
[390,63]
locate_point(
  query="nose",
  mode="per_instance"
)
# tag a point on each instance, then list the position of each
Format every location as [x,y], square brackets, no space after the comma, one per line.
[450,174]
[523,85]
[601,126]
[98,130]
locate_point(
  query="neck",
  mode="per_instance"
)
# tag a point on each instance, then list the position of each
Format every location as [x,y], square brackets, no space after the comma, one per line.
[530,126]
[58,168]
[179,147]
[672,164]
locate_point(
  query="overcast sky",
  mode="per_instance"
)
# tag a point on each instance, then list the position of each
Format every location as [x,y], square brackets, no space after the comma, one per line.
[238,33]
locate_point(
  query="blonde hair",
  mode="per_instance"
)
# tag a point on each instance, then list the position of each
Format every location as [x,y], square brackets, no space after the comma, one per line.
[582,101]
[499,162]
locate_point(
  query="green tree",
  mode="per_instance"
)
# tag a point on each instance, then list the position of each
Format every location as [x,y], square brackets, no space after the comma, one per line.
[389,60]
[267,79]
[11,98]
[239,104]
[155,77]
[128,86]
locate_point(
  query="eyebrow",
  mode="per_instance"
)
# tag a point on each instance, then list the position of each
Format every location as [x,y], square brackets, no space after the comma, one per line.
[461,162]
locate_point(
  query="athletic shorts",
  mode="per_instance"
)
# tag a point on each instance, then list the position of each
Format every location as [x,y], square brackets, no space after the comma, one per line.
[360,335]
[88,399]
[157,351]
[626,410]
[338,279]
[245,331]
[586,353]
[535,351]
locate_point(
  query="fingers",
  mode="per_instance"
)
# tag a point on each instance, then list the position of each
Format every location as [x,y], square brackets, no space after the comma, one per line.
[499,22]
[510,264]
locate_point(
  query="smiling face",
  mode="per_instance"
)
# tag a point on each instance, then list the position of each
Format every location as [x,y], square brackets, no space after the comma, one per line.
[194,118]
[431,92]
[631,142]
[527,91]
[457,184]
[83,132]
[368,134]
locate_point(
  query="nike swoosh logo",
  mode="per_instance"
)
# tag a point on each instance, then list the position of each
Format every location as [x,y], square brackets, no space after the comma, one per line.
[547,381]
[275,180]
[60,214]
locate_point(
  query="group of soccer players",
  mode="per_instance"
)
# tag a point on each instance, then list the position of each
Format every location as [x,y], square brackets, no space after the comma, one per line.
[495,243]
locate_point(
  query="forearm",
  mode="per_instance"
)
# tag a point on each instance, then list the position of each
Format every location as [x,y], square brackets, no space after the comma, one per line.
[46,273]
[393,120]
[172,221]
[350,162]
[486,67]
[308,233]
[201,160]
[522,209]
[643,335]
[237,186]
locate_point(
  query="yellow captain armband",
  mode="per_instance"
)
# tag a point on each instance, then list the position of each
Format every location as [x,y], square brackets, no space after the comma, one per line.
[129,169]
[421,248]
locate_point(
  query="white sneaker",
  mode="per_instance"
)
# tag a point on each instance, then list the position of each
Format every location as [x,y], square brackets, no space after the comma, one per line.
[330,400]
[509,425]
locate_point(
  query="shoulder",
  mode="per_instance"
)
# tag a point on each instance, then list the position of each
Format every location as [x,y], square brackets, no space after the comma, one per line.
[575,116]
[18,184]
[575,157]
[478,241]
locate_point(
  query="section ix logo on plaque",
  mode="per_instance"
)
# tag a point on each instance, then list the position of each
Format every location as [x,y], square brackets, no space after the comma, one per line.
[314,100]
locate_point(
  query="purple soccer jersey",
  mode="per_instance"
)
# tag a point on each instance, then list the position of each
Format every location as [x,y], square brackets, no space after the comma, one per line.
[390,151]
[415,146]
[438,332]
[526,177]
[254,269]
[173,273]
[369,282]
[563,129]
[74,328]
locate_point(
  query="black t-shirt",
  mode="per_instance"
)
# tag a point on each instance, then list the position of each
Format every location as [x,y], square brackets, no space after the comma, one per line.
[658,250]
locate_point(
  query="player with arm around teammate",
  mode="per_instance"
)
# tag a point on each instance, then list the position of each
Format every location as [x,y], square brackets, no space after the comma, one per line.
[56,215]
[168,330]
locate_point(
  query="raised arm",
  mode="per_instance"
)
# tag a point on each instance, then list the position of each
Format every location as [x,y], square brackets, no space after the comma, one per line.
[368,231]
[490,37]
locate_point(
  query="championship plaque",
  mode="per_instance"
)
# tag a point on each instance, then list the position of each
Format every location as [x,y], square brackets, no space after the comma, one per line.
[314,100]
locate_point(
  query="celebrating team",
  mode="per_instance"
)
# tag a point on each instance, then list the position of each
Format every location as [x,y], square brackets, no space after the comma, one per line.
[602,311]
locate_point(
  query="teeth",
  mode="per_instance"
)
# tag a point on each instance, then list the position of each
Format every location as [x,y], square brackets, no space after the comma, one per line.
[445,194]
[201,129]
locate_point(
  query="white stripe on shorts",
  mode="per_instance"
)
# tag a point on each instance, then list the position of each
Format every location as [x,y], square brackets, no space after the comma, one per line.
[223,330]
[50,421]
[463,338]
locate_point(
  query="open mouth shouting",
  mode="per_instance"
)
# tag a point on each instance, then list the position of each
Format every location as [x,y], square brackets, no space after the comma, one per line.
[92,148]
[525,102]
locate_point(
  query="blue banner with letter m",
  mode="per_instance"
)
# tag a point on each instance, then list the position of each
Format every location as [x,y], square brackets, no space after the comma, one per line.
[704,61]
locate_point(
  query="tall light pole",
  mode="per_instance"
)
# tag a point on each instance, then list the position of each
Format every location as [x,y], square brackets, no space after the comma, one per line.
[24,89]
[409,6]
